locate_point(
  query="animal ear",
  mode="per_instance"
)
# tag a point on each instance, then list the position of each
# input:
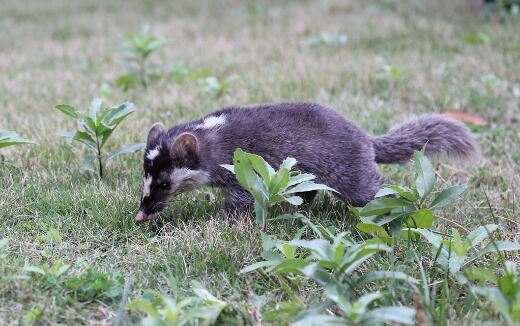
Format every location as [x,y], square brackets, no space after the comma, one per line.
[155,132]
[186,147]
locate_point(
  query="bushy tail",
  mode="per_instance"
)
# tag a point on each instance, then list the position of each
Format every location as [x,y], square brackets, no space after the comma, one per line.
[439,135]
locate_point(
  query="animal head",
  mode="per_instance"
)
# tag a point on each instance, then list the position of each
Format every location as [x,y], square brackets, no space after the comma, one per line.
[171,167]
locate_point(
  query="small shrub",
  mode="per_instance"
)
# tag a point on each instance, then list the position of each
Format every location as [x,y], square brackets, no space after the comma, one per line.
[138,50]
[98,125]
[331,261]
[388,218]
[201,309]
[505,294]
[458,252]
[270,187]
[92,285]
[53,275]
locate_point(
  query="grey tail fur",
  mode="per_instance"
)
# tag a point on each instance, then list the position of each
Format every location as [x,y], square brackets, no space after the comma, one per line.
[439,135]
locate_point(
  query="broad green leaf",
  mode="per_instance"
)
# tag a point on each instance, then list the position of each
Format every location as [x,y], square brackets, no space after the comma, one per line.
[382,206]
[404,192]
[291,265]
[479,234]
[115,115]
[95,106]
[68,110]
[321,248]
[423,219]
[35,269]
[59,268]
[11,138]
[425,177]
[86,139]
[53,235]
[18,141]
[362,303]
[287,249]
[125,150]
[358,255]
[279,181]
[447,196]
[258,265]
[293,180]
[261,167]
[497,246]
[89,125]
[317,274]
[288,163]
[373,229]
[307,186]
[243,169]
[294,200]
[261,214]
[144,306]
[434,239]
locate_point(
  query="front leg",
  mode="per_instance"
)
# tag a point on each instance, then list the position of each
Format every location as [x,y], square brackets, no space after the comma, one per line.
[237,201]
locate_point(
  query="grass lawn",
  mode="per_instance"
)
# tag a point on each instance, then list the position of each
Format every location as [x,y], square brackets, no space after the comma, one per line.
[396,61]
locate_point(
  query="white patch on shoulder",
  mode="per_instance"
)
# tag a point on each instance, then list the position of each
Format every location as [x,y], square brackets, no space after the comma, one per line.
[212,122]
[147,182]
[153,153]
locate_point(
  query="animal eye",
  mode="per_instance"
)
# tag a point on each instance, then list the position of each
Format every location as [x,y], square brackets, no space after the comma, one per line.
[165,185]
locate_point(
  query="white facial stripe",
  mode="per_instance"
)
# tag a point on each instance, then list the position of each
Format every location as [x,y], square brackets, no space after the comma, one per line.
[153,153]
[212,122]
[146,186]
[185,179]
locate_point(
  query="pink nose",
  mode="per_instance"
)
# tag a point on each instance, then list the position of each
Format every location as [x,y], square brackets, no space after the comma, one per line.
[141,217]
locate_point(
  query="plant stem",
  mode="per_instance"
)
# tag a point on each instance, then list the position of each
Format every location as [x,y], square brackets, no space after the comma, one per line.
[100,163]
[142,73]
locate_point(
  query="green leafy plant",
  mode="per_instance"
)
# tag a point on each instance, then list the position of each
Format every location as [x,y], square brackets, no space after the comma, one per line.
[137,52]
[98,125]
[457,252]
[270,187]
[394,73]
[332,261]
[201,309]
[387,217]
[51,274]
[505,294]
[479,38]
[92,285]
[11,138]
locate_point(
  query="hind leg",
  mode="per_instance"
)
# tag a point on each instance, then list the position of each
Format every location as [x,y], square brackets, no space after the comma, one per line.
[237,201]
[359,191]
[308,196]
